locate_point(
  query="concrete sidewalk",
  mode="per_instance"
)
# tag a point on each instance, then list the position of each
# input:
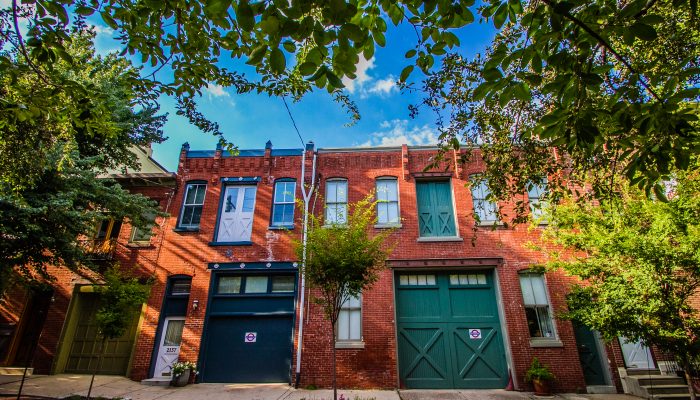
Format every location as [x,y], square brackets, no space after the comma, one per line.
[60,386]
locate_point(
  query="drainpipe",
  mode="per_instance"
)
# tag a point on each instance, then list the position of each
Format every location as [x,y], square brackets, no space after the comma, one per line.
[307,197]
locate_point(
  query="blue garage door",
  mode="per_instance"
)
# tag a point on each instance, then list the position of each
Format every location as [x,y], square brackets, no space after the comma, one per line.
[248,334]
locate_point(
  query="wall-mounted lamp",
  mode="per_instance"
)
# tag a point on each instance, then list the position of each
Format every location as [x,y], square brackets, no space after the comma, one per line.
[195,305]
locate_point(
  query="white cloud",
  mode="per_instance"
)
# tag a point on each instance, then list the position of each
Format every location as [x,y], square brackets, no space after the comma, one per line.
[362,67]
[384,87]
[103,30]
[397,132]
[215,90]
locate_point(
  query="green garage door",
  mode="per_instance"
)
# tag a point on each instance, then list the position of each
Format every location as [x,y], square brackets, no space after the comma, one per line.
[248,335]
[449,334]
[86,344]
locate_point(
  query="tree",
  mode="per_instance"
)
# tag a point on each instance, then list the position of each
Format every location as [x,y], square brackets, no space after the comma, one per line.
[575,91]
[50,193]
[342,260]
[121,297]
[593,61]
[638,259]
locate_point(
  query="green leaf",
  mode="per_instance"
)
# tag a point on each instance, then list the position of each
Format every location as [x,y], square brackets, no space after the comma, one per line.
[289,46]
[277,61]
[500,16]
[643,31]
[307,68]
[245,16]
[217,7]
[257,55]
[84,11]
[492,74]
[410,53]
[406,72]
[334,81]
[107,18]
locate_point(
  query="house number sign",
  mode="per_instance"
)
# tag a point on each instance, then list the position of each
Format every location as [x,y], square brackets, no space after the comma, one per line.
[250,337]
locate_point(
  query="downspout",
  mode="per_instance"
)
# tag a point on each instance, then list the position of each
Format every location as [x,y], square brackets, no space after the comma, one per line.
[307,197]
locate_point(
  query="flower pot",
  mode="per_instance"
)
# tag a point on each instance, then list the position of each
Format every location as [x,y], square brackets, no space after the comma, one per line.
[542,387]
[182,379]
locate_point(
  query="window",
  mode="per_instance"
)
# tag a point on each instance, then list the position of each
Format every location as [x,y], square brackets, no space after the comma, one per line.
[180,287]
[387,201]
[485,209]
[229,285]
[537,309]
[283,204]
[467,279]
[536,192]
[417,280]
[282,284]
[336,201]
[435,210]
[236,214]
[143,235]
[192,205]
[256,284]
[349,325]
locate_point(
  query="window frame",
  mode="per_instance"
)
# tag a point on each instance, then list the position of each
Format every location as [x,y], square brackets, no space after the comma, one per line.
[478,182]
[350,342]
[536,214]
[273,225]
[243,284]
[149,232]
[191,227]
[388,224]
[336,203]
[539,341]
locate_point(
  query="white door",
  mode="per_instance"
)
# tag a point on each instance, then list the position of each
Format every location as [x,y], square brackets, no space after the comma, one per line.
[236,221]
[636,354]
[169,348]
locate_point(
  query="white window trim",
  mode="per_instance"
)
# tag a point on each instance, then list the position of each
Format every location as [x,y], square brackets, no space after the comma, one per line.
[553,341]
[327,203]
[180,223]
[398,203]
[350,343]
[477,182]
[543,203]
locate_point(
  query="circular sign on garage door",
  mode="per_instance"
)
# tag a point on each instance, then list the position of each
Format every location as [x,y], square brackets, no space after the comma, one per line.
[475,333]
[250,337]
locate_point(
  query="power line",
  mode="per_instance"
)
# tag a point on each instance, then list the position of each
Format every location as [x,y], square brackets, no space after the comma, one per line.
[293,122]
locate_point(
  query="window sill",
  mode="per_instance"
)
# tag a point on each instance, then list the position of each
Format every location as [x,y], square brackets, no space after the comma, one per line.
[489,224]
[545,342]
[441,239]
[186,230]
[281,227]
[387,226]
[139,245]
[350,344]
[248,243]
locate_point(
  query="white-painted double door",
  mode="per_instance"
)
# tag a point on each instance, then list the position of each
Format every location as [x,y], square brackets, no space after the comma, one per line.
[636,354]
[236,219]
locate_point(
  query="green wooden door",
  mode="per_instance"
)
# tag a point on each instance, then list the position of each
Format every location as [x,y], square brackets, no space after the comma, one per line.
[86,345]
[449,331]
[435,210]
[589,355]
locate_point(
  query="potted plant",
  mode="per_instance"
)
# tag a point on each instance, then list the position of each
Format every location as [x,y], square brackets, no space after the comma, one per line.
[181,372]
[540,376]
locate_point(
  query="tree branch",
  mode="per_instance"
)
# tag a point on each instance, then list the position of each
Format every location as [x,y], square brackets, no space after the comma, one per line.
[607,45]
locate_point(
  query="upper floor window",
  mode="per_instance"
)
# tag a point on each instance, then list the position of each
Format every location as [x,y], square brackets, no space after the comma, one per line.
[435,209]
[387,201]
[537,308]
[143,235]
[485,209]
[283,203]
[336,201]
[192,205]
[536,193]
[349,325]
[236,213]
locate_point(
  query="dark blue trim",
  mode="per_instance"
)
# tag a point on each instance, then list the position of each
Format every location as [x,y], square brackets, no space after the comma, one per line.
[200,153]
[253,314]
[287,152]
[248,243]
[241,180]
[236,266]
[281,227]
[186,230]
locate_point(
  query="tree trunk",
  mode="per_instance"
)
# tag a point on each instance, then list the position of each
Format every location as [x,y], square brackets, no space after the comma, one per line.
[335,388]
[689,379]
[97,368]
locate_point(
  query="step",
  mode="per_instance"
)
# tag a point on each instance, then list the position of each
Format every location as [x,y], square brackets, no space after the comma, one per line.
[156,382]
[666,389]
[658,380]
[678,396]
[644,372]
[15,371]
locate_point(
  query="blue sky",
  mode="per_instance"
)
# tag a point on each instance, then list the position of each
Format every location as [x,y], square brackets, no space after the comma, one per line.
[250,120]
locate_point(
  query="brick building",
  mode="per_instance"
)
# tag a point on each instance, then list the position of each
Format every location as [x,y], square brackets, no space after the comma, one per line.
[457,307]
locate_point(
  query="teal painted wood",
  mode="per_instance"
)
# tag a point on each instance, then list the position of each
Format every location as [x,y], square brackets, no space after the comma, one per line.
[434,343]
[435,209]
[591,361]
